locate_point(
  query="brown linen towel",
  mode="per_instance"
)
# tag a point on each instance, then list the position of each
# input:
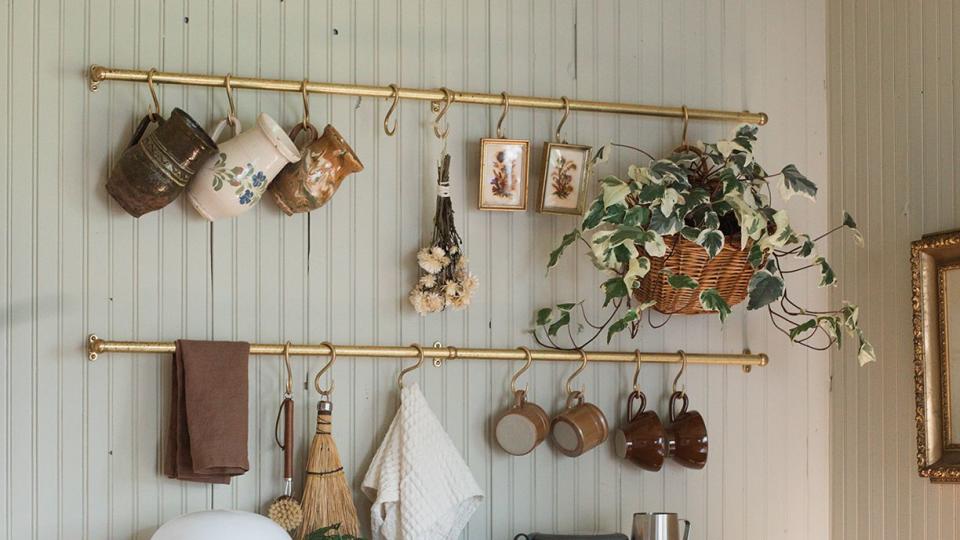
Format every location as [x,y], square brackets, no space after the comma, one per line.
[207,434]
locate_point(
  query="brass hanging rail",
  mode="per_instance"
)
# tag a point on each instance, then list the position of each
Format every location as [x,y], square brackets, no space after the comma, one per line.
[99,74]
[439,353]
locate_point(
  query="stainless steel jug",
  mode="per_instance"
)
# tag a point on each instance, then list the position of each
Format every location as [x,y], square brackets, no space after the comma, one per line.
[659,526]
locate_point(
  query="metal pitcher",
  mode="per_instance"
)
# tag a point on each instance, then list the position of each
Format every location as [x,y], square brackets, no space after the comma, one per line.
[658,526]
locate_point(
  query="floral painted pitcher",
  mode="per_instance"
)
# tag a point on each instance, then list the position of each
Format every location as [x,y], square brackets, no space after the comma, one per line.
[232,182]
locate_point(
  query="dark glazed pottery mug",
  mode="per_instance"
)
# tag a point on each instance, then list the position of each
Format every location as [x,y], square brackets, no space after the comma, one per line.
[155,167]
[642,440]
[686,434]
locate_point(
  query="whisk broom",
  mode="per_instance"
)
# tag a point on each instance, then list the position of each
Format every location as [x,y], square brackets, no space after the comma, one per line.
[327,499]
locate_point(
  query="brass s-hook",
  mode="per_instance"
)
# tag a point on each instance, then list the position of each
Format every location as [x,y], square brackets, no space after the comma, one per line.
[414,367]
[526,365]
[325,392]
[232,115]
[569,384]
[306,105]
[683,368]
[393,107]
[636,372]
[448,98]
[686,123]
[153,92]
[503,114]
[563,119]
[286,363]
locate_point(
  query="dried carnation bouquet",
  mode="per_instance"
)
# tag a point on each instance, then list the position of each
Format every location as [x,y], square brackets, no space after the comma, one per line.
[444,280]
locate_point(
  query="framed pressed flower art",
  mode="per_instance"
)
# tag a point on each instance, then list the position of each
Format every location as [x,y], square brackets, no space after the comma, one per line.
[503,174]
[563,187]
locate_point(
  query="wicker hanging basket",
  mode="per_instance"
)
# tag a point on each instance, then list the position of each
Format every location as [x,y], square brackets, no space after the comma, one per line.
[729,273]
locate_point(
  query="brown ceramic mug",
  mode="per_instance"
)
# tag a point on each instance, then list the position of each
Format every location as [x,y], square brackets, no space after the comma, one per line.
[686,434]
[579,427]
[155,168]
[522,427]
[642,440]
[325,160]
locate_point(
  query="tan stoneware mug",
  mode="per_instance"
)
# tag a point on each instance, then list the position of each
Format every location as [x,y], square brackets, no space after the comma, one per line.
[581,426]
[525,425]
[325,160]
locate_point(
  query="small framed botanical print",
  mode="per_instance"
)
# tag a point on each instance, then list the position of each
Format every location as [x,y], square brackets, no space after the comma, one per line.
[503,174]
[563,188]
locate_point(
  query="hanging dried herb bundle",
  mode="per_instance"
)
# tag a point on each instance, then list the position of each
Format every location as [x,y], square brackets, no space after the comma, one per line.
[444,280]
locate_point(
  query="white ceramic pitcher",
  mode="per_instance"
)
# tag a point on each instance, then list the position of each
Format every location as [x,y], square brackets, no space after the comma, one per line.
[232,182]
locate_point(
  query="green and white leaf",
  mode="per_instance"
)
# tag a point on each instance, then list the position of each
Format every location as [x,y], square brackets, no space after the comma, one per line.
[802,328]
[711,240]
[654,245]
[764,289]
[614,192]
[613,288]
[711,300]
[827,276]
[794,183]
[637,216]
[755,257]
[665,225]
[728,147]
[637,267]
[568,239]
[865,354]
[806,249]
[669,200]
[782,234]
[850,316]
[852,225]
[681,281]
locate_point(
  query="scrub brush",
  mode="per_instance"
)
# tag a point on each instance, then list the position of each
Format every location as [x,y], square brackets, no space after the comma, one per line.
[285,510]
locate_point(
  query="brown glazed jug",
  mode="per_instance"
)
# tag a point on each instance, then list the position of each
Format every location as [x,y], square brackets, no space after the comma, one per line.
[324,162]
[155,168]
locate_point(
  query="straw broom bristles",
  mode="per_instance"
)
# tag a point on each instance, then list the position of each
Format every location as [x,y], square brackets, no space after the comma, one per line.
[327,499]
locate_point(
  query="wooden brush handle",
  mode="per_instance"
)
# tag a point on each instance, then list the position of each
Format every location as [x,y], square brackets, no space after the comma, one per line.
[288,438]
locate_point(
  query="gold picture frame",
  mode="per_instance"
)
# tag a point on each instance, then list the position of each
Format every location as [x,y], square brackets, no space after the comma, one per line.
[551,201]
[504,179]
[935,261]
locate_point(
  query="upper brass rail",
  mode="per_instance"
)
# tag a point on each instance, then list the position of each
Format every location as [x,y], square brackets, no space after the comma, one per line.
[439,353]
[100,73]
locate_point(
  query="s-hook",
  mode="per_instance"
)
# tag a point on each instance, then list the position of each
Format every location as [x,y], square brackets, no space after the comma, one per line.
[636,373]
[448,98]
[563,119]
[503,114]
[306,105]
[286,364]
[232,118]
[683,368]
[528,361]
[569,384]
[393,107]
[414,367]
[153,92]
[325,393]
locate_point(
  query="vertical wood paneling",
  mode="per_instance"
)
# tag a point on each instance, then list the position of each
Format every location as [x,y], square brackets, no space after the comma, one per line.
[893,100]
[75,263]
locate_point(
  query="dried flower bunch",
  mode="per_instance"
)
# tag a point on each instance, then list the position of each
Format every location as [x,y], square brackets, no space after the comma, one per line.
[710,194]
[444,279]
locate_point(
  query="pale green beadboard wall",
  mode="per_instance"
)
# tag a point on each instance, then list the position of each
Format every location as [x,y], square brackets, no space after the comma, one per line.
[894,107]
[80,441]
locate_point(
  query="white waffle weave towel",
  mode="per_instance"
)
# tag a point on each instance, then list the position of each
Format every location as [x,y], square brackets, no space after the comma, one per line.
[420,486]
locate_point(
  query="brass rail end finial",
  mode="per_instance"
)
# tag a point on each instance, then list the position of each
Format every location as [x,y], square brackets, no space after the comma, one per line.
[763,118]
[97,74]
[94,347]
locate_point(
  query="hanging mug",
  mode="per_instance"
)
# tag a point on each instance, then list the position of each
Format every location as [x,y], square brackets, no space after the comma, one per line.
[642,440]
[154,169]
[686,434]
[522,427]
[325,161]
[232,182]
[580,427]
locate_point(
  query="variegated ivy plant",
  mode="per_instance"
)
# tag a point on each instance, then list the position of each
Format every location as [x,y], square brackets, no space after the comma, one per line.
[710,194]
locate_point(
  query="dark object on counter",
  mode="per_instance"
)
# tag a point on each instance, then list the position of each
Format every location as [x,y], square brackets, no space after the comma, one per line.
[324,162]
[207,435]
[686,434]
[155,168]
[541,536]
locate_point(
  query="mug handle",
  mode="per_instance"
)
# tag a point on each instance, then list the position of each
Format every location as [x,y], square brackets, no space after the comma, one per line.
[686,528]
[631,416]
[577,396]
[142,127]
[673,399]
[519,397]
[312,133]
[234,123]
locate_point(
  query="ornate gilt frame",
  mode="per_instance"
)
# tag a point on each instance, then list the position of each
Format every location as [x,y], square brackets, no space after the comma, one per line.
[929,256]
